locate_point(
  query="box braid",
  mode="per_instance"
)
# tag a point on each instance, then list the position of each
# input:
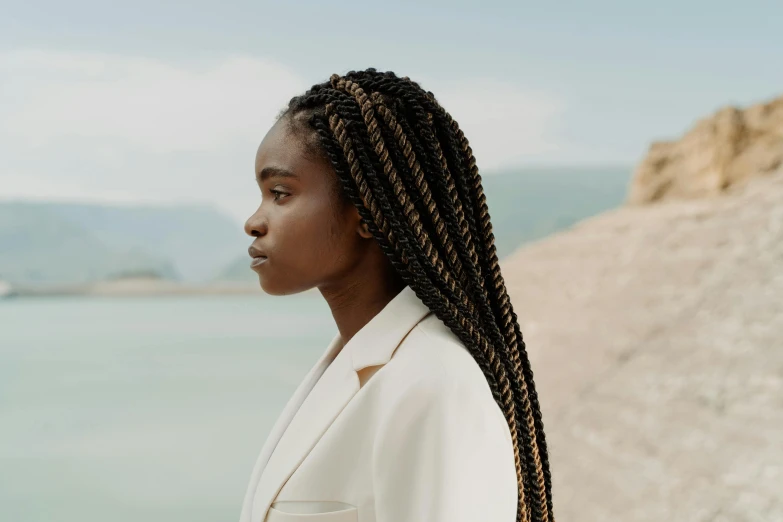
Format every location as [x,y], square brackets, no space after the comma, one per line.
[405,164]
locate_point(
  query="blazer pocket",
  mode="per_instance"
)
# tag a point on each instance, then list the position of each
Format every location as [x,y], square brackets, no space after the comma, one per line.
[312,511]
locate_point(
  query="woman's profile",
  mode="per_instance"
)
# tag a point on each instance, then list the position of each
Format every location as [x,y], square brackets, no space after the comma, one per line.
[423,407]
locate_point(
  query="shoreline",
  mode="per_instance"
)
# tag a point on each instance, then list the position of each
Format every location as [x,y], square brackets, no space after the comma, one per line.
[141,287]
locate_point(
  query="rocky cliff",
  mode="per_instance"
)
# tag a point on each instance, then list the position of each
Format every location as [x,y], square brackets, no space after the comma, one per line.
[656,334]
[720,152]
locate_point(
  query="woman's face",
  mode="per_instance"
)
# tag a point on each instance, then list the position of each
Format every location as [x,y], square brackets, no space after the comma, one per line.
[305,235]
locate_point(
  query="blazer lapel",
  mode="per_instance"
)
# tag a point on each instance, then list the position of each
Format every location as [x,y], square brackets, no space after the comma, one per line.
[283,421]
[329,396]
[326,397]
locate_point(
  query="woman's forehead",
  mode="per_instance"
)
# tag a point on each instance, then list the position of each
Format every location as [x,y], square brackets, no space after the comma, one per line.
[282,148]
[279,146]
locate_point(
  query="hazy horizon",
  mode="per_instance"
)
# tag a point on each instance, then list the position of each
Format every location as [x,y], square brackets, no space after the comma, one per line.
[153,203]
[99,241]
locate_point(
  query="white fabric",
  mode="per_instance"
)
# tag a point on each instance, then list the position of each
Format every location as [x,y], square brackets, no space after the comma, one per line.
[422,441]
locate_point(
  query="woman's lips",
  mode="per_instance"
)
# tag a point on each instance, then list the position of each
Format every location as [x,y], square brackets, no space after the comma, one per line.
[257,261]
[258,256]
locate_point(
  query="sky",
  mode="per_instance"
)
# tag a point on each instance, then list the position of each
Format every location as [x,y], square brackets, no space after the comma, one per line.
[155,101]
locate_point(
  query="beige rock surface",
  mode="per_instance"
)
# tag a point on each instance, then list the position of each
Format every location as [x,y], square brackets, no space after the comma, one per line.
[656,335]
[719,152]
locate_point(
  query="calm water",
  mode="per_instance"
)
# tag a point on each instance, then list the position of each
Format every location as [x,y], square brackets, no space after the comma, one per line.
[129,409]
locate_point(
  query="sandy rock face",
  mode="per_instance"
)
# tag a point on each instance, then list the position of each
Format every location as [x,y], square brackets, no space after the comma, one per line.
[656,338]
[719,152]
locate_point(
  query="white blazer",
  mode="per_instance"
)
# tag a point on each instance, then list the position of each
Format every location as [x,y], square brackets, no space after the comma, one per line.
[421,440]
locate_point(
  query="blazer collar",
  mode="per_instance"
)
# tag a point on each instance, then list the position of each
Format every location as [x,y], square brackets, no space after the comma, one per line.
[333,383]
[375,343]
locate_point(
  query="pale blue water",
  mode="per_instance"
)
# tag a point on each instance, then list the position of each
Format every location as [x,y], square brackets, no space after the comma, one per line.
[154,409]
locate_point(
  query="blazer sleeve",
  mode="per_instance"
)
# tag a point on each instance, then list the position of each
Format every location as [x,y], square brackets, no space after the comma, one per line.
[444,454]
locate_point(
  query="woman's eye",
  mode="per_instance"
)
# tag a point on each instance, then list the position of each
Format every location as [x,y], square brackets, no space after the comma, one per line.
[278,194]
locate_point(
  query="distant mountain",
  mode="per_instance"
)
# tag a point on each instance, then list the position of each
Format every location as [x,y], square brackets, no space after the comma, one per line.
[40,245]
[532,203]
[527,204]
[189,242]
[46,243]
[238,271]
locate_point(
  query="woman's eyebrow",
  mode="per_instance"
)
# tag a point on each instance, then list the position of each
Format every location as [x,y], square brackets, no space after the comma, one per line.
[275,172]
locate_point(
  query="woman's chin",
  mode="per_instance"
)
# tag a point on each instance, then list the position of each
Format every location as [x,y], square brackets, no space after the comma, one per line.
[270,289]
[276,289]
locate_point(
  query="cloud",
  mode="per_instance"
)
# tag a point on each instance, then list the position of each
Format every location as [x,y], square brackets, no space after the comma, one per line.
[143,102]
[94,126]
[97,126]
[504,124]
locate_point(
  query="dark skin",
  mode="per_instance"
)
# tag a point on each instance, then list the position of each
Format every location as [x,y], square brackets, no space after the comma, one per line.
[313,238]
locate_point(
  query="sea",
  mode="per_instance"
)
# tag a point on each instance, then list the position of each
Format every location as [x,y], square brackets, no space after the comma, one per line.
[154,409]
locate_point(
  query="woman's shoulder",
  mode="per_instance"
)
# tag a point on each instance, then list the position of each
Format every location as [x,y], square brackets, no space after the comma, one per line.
[433,373]
[432,356]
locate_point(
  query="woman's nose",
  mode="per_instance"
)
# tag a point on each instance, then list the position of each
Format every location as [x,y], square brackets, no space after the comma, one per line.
[256,225]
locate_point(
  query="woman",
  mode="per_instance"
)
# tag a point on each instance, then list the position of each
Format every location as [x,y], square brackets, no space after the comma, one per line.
[423,407]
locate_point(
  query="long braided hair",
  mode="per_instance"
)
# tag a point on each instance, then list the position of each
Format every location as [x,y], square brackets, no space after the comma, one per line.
[408,168]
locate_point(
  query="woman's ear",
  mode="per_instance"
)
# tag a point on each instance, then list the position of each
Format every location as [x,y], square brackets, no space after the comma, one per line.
[364,230]
[361,226]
